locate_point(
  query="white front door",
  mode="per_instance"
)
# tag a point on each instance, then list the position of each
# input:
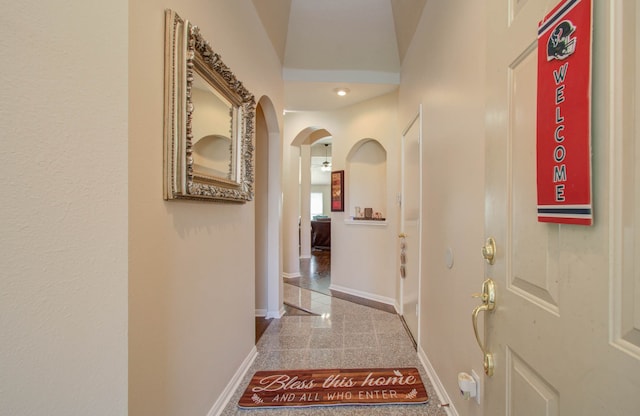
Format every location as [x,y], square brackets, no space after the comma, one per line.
[410,213]
[565,332]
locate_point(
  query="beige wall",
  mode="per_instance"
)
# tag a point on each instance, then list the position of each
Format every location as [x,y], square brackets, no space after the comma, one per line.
[63,303]
[191,264]
[444,70]
[351,245]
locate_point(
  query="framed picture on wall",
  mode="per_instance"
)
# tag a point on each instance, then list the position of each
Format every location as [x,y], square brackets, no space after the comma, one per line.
[337,191]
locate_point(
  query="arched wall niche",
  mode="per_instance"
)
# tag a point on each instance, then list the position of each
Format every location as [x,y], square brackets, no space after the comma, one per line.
[366,178]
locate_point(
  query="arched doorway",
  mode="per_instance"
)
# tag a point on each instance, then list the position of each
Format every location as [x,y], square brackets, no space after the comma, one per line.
[268,209]
[297,180]
[308,155]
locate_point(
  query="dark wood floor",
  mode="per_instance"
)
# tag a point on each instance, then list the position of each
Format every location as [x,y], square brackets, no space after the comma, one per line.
[262,324]
[315,272]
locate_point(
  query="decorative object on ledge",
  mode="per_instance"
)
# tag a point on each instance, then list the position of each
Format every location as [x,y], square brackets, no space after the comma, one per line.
[368,215]
[208,121]
[337,191]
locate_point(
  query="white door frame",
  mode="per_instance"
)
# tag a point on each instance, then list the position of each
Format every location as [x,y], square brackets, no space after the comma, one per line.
[416,119]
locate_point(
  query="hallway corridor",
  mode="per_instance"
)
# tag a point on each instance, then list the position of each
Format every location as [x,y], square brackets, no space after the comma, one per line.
[344,335]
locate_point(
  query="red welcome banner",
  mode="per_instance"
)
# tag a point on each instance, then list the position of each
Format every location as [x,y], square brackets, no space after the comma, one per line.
[564,115]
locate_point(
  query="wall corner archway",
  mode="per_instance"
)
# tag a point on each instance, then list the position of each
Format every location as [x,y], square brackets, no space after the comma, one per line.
[296,227]
[268,211]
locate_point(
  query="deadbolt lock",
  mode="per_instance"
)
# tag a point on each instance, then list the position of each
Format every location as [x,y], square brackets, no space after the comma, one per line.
[489,250]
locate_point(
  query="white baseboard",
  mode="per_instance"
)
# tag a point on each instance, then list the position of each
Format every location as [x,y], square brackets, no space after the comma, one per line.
[437,384]
[261,313]
[233,384]
[291,275]
[275,314]
[364,295]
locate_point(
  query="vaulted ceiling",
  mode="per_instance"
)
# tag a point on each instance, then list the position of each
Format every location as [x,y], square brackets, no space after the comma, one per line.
[329,44]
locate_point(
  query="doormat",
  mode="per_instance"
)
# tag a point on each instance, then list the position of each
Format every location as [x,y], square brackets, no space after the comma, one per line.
[334,387]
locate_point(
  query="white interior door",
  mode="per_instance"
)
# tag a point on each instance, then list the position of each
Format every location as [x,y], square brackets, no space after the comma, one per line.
[410,213]
[565,330]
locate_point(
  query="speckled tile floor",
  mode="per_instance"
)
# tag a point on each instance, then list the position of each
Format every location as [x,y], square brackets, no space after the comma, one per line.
[344,335]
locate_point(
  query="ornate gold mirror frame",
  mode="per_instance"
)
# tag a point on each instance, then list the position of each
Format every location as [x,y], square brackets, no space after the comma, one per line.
[208,121]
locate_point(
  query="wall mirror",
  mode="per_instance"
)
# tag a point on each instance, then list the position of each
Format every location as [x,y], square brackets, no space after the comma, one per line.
[209,119]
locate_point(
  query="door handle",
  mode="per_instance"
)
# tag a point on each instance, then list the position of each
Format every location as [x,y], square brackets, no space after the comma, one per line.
[488,297]
[403,256]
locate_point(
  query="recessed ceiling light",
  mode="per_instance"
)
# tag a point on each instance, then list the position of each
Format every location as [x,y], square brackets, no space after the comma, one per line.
[341,91]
